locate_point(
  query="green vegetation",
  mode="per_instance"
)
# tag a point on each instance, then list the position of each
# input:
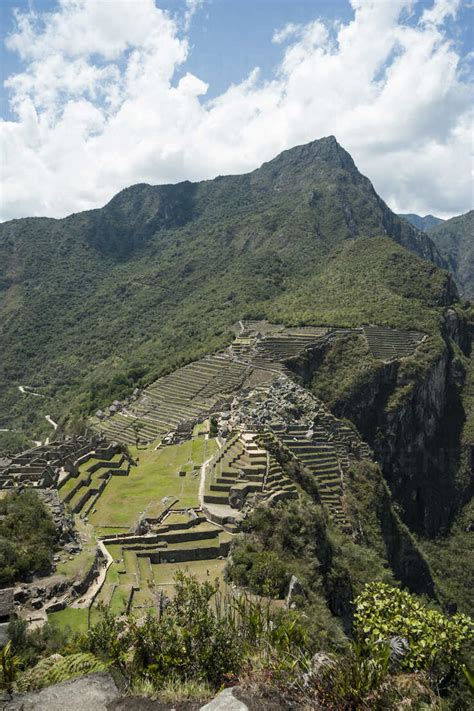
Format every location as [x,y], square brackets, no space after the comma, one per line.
[367,281]
[448,557]
[403,654]
[28,537]
[433,643]
[12,442]
[54,670]
[152,292]
[155,476]
[345,367]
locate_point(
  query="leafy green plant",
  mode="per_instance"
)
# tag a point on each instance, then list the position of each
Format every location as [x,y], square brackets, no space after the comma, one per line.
[435,643]
[10,665]
[57,668]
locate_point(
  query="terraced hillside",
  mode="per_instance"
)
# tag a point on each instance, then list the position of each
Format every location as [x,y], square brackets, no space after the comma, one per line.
[82,491]
[184,396]
[269,346]
[388,344]
[143,566]
[179,400]
[240,469]
[288,418]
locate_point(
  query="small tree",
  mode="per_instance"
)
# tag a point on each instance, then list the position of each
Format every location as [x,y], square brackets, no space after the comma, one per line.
[213,428]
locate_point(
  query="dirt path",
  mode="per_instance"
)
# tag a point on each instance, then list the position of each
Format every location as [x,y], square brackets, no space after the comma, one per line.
[51,422]
[202,481]
[26,391]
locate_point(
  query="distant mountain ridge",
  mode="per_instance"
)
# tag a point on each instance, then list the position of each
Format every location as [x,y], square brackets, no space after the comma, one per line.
[454,239]
[421,223]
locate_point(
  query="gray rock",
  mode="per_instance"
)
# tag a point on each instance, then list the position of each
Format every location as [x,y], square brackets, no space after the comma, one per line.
[56,605]
[4,637]
[294,588]
[225,701]
[88,693]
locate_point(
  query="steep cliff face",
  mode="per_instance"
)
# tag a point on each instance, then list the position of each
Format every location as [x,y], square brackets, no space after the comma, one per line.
[411,413]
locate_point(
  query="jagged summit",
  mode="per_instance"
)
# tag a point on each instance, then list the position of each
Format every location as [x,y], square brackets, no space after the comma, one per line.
[312,194]
[326,150]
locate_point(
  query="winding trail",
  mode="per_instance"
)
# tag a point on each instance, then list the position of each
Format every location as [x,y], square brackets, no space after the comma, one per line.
[51,422]
[26,391]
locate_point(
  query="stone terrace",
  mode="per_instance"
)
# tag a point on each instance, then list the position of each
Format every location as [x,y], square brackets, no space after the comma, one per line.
[269,349]
[292,419]
[184,536]
[242,468]
[389,343]
[176,400]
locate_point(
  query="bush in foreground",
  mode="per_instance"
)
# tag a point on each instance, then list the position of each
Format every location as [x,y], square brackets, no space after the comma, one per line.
[402,654]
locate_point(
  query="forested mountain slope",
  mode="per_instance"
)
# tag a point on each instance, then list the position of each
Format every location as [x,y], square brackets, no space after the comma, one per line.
[92,303]
[455,241]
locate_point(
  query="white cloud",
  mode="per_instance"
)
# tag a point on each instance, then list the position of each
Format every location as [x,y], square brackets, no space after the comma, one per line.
[289,30]
[191,8]
[441,11]
[97,106]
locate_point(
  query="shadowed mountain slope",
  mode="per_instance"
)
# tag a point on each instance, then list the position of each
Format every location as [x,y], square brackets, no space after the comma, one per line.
[421,223]
[455,241]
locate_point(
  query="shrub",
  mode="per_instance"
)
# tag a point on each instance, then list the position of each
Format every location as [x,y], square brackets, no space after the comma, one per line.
[436,644]
[27,537]
[201,635]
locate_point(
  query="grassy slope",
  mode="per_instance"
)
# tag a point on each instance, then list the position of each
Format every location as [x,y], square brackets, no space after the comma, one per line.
[156,476]
[368,281]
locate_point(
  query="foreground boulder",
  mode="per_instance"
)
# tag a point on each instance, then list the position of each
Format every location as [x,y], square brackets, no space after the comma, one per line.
[92,692]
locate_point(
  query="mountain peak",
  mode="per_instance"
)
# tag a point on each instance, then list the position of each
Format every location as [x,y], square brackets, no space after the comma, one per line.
[322,150]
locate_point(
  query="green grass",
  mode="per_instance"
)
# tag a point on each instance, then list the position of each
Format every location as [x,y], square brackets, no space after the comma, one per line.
[120,598]
[200,428]
[156,476]
[75,619]
[164,573]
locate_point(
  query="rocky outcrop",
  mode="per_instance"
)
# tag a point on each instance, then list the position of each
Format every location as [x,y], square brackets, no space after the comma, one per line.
[94,691]
[63,519]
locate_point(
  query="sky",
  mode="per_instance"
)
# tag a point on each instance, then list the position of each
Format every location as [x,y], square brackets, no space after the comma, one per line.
[97,95]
